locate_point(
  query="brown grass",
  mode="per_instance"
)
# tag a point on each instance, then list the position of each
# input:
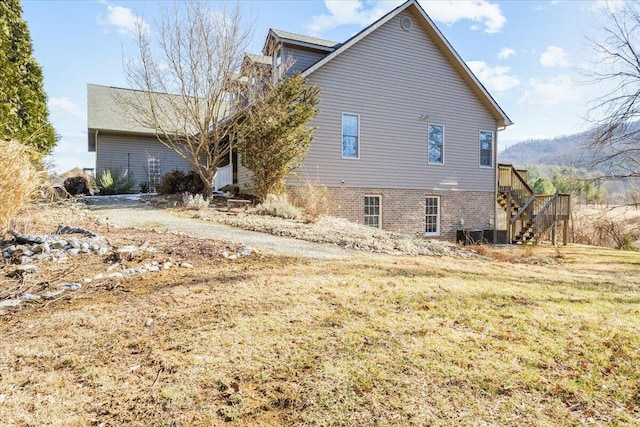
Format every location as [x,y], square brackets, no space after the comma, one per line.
[314,199]
[525,254]
[20,180]
[373,340]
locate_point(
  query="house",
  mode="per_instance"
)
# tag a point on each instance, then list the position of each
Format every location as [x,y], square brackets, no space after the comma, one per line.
[123,144]
[406,136]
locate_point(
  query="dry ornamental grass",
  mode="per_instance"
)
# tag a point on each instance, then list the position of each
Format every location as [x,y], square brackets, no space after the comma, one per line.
[20,181]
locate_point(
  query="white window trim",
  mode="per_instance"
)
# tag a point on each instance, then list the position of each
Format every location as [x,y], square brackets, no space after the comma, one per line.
[493,148]
[342,136]
[277,56]
[437,232]
[443,144]
[379,196]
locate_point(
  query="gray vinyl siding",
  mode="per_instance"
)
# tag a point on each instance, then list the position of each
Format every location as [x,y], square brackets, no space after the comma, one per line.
[122,151]
[303,58]
[244,175]
[389,78]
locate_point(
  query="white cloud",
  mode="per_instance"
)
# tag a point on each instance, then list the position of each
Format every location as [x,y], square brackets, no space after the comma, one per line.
[506,52]
[609,5]
[554,57]
[558,90]
[64,106]
[479,11]
[359,12]
[493,78]
[348,12]
[122,19]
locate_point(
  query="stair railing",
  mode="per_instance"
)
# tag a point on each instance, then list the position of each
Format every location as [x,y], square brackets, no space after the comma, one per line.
[510,180]
[536,213]
[523,210]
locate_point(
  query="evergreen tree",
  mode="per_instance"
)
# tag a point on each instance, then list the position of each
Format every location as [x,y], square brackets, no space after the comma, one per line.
[23,102]
[543,186]
[274,135]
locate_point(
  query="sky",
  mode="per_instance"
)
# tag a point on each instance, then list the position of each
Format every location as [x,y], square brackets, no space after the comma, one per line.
[531,55]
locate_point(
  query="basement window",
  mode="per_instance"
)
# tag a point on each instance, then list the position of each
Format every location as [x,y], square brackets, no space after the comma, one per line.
[432,216]
[373,211]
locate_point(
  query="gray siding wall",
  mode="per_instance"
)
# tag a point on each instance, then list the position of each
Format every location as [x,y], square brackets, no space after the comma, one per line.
[303,58]
[122,151]
[244,175]
[389,79]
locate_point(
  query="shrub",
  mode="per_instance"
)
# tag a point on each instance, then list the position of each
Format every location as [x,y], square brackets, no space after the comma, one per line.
[115,181]
[195,202]
[279,206]
[613,228]
[314,200]
[77,185]
[178,181]
[627,243]
[20,180]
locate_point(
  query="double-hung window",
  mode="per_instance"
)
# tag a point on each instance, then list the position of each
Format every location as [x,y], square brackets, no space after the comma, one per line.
[350,136]
[436,144]
[486,149]
[373,211]
[432,216]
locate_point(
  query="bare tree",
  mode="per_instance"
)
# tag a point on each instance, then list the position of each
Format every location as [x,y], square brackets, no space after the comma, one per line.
[616,114]
[185,74]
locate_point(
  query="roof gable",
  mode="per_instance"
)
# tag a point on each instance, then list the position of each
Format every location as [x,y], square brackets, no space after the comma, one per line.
[298,40]
[440,41]
[258,59]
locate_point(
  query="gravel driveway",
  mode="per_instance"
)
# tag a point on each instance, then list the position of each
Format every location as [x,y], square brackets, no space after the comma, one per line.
[130,212]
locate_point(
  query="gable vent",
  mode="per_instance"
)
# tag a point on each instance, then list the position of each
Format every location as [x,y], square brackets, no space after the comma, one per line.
[406,23]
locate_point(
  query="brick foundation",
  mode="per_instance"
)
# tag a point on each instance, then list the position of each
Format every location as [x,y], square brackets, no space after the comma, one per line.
[404,210]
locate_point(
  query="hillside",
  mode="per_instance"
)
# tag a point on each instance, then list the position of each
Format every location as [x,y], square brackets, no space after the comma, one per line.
[567,150]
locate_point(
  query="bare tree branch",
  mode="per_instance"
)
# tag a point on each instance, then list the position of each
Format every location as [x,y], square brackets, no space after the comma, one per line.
[616,114]
[183,77]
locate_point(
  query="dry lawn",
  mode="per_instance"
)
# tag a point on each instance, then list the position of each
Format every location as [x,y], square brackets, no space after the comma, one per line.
[376,340]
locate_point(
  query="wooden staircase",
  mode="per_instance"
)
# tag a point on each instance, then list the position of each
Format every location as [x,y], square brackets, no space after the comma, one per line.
[529,215]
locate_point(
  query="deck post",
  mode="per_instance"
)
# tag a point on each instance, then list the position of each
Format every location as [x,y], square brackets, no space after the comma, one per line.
[554,230]
[509,224]
[565,231]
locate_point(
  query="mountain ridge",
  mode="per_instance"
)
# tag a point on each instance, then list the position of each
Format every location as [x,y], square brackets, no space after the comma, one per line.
[565,150]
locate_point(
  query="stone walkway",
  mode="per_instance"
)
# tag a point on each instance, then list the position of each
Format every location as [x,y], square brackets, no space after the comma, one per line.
[127,212]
